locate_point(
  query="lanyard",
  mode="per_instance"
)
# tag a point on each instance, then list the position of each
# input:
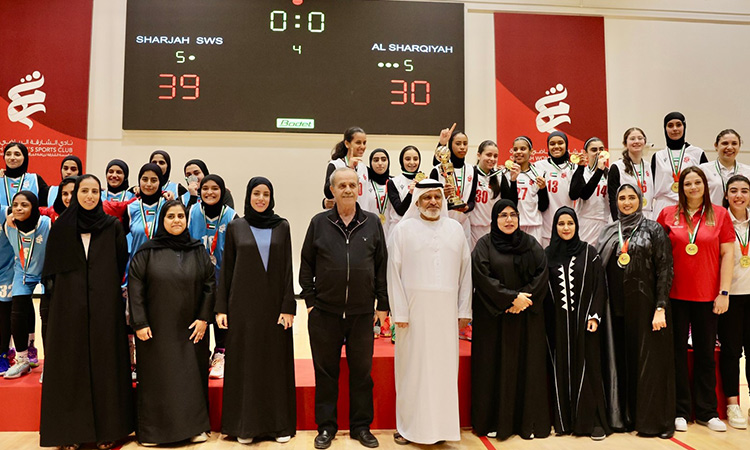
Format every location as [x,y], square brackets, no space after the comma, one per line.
[25,259]
[676,168]
[380,203]
[218,225]
[8,187]
[639,176]
[115,196]
[718,171]
[694,234]
[744,244]
[625,243]
[460,179]
[558,167]
[153,223]
[533,170]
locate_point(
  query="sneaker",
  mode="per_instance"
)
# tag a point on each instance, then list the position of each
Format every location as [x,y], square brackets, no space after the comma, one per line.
[203,437]
[33,355]
[283,439]
[715,424]
[22,367]
[680,424]
[465,334]
[736,418]
[385,330]
[4,363]
[492,434]
[598,434]
[217,366]
[245,441]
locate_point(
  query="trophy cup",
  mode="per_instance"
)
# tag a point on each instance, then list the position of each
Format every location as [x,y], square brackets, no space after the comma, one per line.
[443,154]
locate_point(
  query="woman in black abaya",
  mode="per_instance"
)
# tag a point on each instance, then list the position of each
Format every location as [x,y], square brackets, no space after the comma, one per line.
[508,349]
[575,306]
[90,400]
[255,300]
[637,257]
[171,292]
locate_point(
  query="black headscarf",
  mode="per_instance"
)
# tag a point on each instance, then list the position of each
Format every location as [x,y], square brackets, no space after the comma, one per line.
[630,221]
[30,223]
[457,162]
[560,251]
[76,160]
[381,179]
[518,244]
[214,210]
[610,233]
[165,177]
[63,246]
[59,206]
[153,198]
[24,167]
[163,239]
[125,173]
[267,218]
[409,175]
[566,156]
[671,143]
[201,165]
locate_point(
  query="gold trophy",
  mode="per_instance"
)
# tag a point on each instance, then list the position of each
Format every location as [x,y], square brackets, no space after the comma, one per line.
[443,154]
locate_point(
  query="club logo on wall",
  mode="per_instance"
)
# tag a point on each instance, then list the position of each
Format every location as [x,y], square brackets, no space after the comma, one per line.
[552,116]
[26,99]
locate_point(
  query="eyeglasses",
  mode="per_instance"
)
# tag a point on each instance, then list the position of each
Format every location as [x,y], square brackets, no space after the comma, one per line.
[506,216]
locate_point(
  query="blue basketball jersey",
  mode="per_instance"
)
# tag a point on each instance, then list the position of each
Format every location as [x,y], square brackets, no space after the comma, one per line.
[10,187]
[208,230]
[7,262]
[121,196]
[29,250]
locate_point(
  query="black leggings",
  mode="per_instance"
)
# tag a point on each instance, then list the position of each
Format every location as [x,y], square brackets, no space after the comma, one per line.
[5,309]
[21,314]
[734,335]
[44,315]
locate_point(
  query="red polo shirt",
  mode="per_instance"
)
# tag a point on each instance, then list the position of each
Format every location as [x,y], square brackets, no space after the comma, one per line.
[696,277]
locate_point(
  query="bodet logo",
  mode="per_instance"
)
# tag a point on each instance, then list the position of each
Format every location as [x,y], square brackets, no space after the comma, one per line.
[553,111]
[26,99]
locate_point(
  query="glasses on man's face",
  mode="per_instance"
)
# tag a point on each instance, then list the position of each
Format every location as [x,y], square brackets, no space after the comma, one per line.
[506,216]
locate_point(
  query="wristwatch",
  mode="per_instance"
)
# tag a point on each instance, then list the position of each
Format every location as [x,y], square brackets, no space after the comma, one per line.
[723,292]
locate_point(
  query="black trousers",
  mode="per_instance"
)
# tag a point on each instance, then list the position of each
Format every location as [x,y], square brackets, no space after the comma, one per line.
[328,332]
[22,313]
[699,317]
[5,312]
[44,314]
[734,335]
[220,337]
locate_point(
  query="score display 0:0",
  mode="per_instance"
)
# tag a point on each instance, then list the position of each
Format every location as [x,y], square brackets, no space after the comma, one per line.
[404,92]
[172,86]
[280,16]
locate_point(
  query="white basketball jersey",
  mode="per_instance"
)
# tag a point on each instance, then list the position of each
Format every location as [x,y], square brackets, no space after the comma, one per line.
[480,216]
[558,190]
[642,179]
[718,175]
[666,161]
[597,206]
[528,197]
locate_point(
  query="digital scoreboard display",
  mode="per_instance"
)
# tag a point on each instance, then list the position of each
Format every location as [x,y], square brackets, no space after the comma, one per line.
[390,67]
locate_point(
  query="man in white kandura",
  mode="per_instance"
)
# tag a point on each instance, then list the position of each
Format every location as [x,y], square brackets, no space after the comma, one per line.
[429,286]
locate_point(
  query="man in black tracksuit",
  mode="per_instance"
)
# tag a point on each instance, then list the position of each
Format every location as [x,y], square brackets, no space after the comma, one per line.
[342,273]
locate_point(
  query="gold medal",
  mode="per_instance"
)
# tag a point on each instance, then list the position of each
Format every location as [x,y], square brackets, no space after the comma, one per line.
[745,261]
[645,202]
[624,259]
[604,155]
[675,187]
[575,159]
[419,177]
[509,164]
[691,249]
[382,218]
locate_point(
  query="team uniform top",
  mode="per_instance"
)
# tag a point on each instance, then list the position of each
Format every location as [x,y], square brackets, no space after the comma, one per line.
[142,222]
[558,189]
[29,261]
[6,262]
[399,198]
[52,195]
[361,175]
[589,188]
[663,164]
[717,176]
[211,231]
[122,196]
[172,187]
[10,187]
[483,199]
[641,179]
[531,201]
[466,186]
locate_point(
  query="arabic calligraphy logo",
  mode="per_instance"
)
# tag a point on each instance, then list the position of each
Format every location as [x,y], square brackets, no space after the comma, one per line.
[551,117]
[22,106]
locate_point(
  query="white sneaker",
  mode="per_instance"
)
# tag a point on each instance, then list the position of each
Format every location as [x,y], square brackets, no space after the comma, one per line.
[283,439]
[245,441]
[217,366]
[680,424]
[20,368]
[203,437]
[736,418]
[715,424]
[492,434]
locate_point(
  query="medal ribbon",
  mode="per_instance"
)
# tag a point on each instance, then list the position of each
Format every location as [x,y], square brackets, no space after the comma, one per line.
[218,223]
[145,222]
[723,181]
[567,165]
[25,260]
[381,204]
[676,167]
[744,245]
[694,234]
[624,244]
[8,187]
[460,179]
[533,170]
[639,176]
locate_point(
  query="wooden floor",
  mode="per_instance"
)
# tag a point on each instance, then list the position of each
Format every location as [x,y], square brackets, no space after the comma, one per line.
[697,437]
